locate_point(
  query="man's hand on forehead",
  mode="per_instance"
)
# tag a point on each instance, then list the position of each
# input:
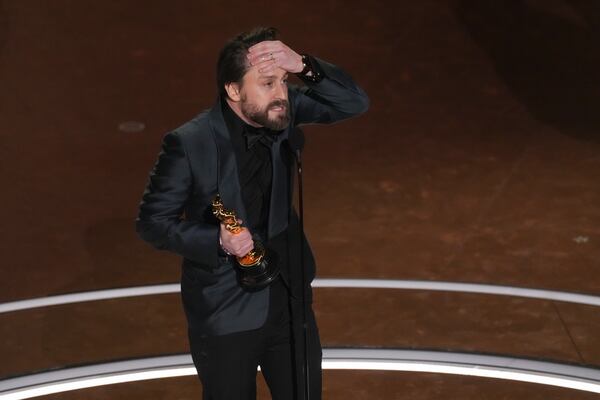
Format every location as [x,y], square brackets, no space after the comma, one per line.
[272,54]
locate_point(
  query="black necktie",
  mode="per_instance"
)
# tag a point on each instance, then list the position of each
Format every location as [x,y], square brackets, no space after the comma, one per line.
[254,135]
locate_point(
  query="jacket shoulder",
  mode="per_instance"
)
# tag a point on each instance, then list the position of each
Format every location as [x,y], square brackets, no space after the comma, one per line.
[197,126]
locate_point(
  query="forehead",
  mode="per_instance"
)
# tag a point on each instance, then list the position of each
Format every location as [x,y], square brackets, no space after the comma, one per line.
[252,74]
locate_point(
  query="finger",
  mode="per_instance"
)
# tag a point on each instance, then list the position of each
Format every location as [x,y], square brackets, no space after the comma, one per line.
[258,58]
[243,249]
[265,45]
[237,253]
[225,235]
[243,237]
[244,240]
[247,249]
[268,66]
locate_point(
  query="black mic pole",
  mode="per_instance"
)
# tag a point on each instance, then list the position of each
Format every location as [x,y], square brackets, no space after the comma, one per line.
[297,145]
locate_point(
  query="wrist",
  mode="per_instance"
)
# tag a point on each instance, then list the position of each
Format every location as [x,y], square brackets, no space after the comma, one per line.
[300,64]
[309,72]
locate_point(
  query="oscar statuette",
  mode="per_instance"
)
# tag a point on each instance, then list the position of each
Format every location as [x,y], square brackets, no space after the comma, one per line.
[259,267]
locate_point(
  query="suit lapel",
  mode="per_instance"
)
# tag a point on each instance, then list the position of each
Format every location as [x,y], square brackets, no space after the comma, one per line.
[280,201]
[228,178]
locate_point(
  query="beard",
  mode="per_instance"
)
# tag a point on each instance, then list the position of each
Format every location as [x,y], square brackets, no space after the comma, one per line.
[261,115]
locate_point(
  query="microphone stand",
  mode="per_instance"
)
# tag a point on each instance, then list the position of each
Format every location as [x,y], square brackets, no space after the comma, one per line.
[298,154]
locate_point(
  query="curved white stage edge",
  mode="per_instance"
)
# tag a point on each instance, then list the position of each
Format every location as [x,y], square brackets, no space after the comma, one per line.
[318,283]
[517,369]
[566,376]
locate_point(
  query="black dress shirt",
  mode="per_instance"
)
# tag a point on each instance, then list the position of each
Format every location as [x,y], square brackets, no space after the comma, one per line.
[255,169]
[252,147]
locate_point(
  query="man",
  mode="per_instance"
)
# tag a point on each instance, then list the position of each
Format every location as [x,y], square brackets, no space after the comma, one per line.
[240,150]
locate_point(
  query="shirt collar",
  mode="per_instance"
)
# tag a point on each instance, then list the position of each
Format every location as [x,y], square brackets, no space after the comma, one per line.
[244,136]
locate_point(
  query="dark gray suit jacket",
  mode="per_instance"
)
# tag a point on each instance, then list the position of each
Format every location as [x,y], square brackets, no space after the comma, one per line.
[197,162]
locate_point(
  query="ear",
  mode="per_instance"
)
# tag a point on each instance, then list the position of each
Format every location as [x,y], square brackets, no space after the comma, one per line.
[233,91]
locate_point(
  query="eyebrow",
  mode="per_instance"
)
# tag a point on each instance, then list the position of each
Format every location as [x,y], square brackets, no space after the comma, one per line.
[266,77]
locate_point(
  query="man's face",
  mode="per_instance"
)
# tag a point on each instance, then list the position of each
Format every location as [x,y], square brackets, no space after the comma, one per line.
[264,98]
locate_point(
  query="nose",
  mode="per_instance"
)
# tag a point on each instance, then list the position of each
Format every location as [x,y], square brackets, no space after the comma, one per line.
[282,91]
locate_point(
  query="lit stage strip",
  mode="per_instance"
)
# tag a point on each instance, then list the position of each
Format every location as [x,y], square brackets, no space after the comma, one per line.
[514,369]
[318,283]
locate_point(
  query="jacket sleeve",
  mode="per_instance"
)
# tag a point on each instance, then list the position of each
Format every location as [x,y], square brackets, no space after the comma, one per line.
[334,98]
[160,220]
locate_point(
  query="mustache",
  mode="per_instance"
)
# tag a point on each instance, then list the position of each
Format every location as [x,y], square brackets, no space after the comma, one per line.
[279,103]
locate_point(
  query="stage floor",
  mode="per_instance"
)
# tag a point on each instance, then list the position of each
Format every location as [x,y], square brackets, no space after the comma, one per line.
[478,162]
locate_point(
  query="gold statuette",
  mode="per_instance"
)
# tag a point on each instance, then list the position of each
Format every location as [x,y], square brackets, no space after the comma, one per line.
[228,218]
[257,269]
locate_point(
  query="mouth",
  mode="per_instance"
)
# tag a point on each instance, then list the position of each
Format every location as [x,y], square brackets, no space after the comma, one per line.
[279,106]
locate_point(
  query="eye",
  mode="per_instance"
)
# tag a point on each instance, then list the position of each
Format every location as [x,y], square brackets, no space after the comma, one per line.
[269,83]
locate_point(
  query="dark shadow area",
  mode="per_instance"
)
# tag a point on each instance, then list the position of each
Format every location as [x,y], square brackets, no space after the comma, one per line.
[3,27]
[112,244]
[547,53]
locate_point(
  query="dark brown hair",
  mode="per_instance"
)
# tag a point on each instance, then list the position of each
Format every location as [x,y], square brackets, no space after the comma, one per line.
[232,63]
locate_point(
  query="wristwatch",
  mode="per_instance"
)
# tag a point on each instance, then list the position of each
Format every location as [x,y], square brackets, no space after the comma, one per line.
[309,72]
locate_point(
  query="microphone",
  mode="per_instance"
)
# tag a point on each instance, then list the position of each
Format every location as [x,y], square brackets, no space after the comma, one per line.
[296,142]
